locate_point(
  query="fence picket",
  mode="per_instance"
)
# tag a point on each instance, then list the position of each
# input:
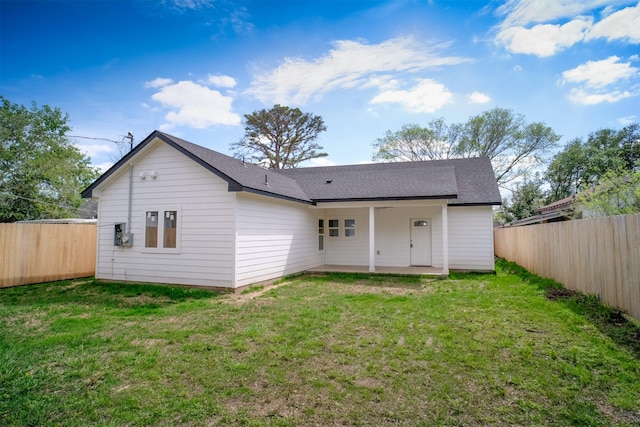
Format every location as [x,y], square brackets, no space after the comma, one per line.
[35,253]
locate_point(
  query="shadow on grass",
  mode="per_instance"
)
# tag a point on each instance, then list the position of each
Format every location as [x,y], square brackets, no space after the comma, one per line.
[610,321]
[105,294]
[372,280]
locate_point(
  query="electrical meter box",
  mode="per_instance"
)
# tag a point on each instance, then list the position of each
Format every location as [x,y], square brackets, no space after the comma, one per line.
[120,238]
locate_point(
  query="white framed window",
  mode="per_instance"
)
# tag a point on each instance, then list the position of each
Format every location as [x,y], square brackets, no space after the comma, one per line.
[350,227]
[162,230]
[343,227]
[334,228]
[321,234]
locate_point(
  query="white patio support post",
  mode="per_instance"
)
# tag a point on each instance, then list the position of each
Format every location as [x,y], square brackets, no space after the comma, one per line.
[372,239]
[445,240]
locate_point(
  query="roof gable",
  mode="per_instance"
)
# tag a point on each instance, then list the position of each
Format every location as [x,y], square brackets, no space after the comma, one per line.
[239,175]
[461,181]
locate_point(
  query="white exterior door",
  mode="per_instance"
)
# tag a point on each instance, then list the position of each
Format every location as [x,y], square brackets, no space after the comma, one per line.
[420,241]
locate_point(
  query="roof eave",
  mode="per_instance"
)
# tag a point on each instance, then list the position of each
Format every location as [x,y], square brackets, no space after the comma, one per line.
[88,192]
[476,204]
[269,194]
[373,199]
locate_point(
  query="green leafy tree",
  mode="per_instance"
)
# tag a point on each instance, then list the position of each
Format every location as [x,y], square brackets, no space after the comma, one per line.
[281,137]
[566,170]
[617,194]
[630,146]
[41,172]
[583,164]
[526,201]
[516,148]
[414,143]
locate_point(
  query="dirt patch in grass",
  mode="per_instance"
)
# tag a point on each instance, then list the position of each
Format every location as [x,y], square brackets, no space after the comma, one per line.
[149,342]
[619,415]
[363,286]
[555,294]
[245,297]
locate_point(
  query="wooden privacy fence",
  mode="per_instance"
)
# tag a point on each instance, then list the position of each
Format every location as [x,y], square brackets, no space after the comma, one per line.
[35,253]
[598,256]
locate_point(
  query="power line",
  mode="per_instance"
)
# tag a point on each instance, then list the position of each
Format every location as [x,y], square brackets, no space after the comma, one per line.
[128,136]
[44,202]
[90,137]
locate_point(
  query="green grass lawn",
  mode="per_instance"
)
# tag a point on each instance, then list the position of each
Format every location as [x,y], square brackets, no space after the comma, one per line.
[318,350]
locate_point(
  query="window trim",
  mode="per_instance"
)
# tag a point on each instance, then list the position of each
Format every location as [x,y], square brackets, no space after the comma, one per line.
[341,229]
[333,228]
[162,210]
[353,227]
[322,234]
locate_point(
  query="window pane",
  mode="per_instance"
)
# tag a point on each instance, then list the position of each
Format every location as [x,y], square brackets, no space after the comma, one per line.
[334,232]
[350,223]
[321,243]
[170,221]
[334,223]
[349,232]
[151,230]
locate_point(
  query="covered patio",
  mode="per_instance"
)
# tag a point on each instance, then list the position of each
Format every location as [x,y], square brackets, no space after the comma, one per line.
[415,271]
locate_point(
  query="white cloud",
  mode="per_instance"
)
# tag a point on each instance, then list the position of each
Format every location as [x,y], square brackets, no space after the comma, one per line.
[320,161]
[543,39]
[350,64]
[598,74]
[600,81]
[195,105]
[523,12]
[95,149]
[193,4]
[222,81]
[387,82]
[622,24]
[426,97]
[580,96]
[158,82]
[625,121]
[478,98]
[103,167]
[546,27]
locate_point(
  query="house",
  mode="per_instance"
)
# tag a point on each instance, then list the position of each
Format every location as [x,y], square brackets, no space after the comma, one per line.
[174,212]
[560,210]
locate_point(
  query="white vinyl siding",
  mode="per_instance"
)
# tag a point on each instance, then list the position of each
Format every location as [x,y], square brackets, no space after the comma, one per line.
[206,221]
[274,238]
[352,250]
[471,238]
[393,235]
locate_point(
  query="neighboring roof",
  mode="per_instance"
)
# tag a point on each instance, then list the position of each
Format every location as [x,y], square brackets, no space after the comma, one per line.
[558,210]
[463,181]
[558,204]
[80,221]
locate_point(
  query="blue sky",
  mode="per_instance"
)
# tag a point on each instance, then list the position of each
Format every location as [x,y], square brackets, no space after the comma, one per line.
[193,68]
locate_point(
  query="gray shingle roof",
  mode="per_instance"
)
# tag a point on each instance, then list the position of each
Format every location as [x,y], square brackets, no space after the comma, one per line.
[468,181]
[462,181]
[243,176]
[375,181]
